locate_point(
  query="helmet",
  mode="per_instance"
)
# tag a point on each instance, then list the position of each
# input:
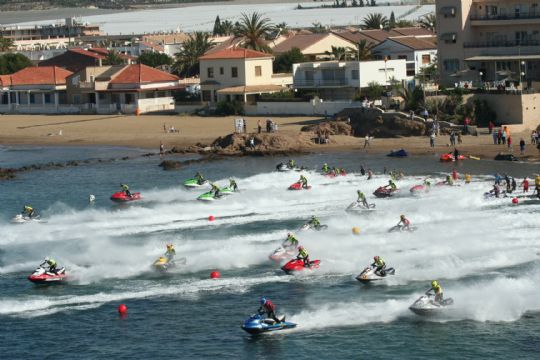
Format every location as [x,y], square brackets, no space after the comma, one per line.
[376,257]
[402,216]
[263,300]
[434,283]
[300,248]
[170,246]
[47,258]
[289,234]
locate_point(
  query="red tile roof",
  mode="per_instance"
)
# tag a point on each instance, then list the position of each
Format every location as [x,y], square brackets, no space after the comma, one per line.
[140,74]
[422,43]
[234,53]
[88,53]
[413,31]
[41,75]
[5,80]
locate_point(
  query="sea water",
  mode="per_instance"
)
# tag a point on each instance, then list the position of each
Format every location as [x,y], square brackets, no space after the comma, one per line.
[485,253]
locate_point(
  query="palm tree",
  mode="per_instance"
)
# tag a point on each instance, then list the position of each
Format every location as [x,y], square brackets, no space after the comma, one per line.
[280,29]
[5,44]
[187,60]
[428,21]
[113,58]
[227,28]
[374,21]
[341,53]
[364,50]
[254,29]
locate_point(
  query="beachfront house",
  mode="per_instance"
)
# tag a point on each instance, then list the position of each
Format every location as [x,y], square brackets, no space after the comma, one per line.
[313,46]
[238,74]
[123,88]
[420,52]
[40,90]
[341,80]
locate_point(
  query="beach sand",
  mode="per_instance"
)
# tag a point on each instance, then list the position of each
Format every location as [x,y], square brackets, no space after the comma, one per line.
[147,132]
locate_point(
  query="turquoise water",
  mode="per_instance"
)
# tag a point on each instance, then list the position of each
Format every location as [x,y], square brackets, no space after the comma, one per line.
[484,252]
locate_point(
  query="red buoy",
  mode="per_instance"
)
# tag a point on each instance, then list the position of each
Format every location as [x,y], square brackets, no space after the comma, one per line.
[515,201]
[122,309]
[211,218]
[215,275]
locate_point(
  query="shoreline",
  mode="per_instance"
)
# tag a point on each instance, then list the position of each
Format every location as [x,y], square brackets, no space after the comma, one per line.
[196,133]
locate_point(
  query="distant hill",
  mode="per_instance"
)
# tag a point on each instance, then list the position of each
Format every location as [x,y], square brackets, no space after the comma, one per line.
[17,5]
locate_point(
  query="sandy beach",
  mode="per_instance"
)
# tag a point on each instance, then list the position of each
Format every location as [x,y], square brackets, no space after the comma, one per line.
[148,132]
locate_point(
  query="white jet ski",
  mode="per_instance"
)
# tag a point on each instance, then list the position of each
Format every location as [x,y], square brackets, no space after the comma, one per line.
[21,219]
[357,207]
[427,306]
[369,275]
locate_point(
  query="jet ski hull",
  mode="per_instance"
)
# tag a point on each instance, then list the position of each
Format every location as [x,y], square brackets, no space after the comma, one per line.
[368,275]
[298,186]
[193,183]
[425,306]
[295,265]
[256,325]
[40,276]
[121,197]
[383,192]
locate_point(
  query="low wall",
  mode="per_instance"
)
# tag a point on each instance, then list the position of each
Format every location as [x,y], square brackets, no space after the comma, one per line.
[313,107]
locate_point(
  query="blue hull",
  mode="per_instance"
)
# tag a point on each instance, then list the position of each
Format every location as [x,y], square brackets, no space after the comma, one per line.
[257,325]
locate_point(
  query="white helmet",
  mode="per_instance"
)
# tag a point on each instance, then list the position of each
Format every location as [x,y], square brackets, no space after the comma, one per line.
[47,258]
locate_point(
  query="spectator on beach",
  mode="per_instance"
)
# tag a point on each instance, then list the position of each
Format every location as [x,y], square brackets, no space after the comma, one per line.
[499,137]
[459,139]
[244,126]
[161,149]
[268,125]
[534,137]
[432,139]
[495,137]
[452,138]
[366,141]
[411,114]
[503,137]
[509,141]
[522,146]
[425,114]
[490,127]
[259,126]
[252,142]
[164,128]
[525,185]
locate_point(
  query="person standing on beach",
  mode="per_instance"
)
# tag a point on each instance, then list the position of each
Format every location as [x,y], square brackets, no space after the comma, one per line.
[522,146]
[161,149]
[366,141]
[525,185]
[432,139]
[164,128]
[244,125]
[490,127]
[495,137]
[259,126]
[509,141]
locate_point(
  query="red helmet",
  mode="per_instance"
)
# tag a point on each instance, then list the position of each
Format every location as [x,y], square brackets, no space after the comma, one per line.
[376,257]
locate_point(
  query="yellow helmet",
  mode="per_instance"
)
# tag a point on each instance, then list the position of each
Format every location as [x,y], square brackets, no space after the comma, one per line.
[170,246]
[434,283]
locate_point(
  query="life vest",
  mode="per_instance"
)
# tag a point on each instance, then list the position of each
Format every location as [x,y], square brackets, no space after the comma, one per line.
[269,306]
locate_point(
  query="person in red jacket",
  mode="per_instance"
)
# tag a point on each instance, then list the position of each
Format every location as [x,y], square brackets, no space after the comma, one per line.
[269,308]
[525,185]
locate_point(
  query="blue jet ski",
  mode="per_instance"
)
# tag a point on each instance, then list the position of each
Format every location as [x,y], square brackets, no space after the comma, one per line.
[256,324]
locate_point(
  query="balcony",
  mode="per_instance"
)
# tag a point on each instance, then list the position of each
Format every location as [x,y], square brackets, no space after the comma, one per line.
[502,44]
[522,18]
[321,83]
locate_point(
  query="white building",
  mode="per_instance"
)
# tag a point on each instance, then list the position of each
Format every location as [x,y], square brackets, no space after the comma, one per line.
[342,80]
[419,52]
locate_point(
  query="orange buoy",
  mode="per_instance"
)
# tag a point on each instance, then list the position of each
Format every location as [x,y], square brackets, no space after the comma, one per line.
[215,275]
[356,230]
[515,201]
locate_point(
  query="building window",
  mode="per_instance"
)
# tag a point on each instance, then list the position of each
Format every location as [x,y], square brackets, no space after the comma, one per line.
[47,99]
[451,65]
[129,98]
[258,70]
[355,74]
[221,70]
[402,57]
[449,38]
[32,98]
[76,99]
[426,59]
[448,11]
[234,72]
[101,96]
[210,72]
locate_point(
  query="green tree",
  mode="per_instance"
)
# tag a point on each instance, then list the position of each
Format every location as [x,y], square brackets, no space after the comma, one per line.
[392,21]
[354,3]
[254,29]
[364,50]
[187,60]
[217,27]
[374,21]
[318,28]
[341,53]
[284,62]
[5,44]
[113,58]
[227,28]
[404,23]
[361,3]
[413,98]
[154,59]
[373,3]
[428,21]
[374,90]
[11,63]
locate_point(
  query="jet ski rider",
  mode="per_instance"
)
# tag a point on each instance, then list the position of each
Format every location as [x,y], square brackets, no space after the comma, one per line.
[200,179]
[314,222]
[391,185]
[291,164]
[303,255]
[51,263]
[125,189]
[290,241]
[404,222]
[216,190]
[437,290]
[170,253]
[303,180]
[362,199]
[269,308]
[379,264]
[28,211]
[325,168]
[233,185]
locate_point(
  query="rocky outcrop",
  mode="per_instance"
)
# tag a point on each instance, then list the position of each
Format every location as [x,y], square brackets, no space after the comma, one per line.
[382,125]
[259,144]
[329,128]
[170,165]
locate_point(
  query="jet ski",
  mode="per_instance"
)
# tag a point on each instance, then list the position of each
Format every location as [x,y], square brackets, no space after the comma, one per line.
[384,192]
[163,263]
[296,265]
[398,153]
[450,157]
[42,276]
[21,219]
[401,228]
[257,324]
[226,191]
[121,197]
[332,174]
[298,186]
[208,196]
[283,253]
[194,183]
[417,189]
[308,226]
[357,207]
[426,305]
[369,275]
[284,167]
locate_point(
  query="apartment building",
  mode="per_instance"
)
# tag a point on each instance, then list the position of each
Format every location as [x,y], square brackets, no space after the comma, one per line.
[495,42]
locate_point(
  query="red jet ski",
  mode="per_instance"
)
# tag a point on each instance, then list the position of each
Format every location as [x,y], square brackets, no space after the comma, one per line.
[42,276]
[298,265]
[383,192]
[298,186]
[122,197]
[419,189]
[450,157]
